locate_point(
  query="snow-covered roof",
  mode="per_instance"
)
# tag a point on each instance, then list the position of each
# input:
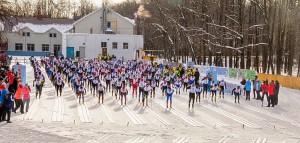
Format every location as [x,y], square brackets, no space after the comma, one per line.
[131,21]
[43,28]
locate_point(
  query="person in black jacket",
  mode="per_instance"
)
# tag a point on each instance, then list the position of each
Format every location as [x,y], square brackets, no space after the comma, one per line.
[276,91]
[182,72]
[197,76]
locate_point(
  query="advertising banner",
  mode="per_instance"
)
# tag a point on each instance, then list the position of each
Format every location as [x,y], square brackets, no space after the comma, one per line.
[20,70]
[222,71]
[250,74]
[230,87]
[232,73]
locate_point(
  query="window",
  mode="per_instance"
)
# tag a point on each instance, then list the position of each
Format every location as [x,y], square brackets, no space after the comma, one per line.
[19,47]
[52,34]
[57,47]
[103,44]
[108,25]
[30,47]
[125,45]
[27,34]
[91,31]
[45,47]
[115,45]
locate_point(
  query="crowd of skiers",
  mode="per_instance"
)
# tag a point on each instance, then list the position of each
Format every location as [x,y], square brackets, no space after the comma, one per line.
[116,78]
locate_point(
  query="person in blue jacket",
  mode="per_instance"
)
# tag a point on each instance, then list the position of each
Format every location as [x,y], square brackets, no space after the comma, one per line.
[248,89]
[169,94]
[3,92]
[258,89]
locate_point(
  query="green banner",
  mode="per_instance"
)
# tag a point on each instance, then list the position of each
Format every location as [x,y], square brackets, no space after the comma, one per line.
[250,74]
[232,73]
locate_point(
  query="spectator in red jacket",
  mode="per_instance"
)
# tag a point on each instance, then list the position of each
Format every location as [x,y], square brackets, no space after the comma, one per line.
[264,90]
[271,89]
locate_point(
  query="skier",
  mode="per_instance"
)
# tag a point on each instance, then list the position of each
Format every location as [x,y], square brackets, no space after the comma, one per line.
[205,85]
[107,81]
[185,83]
[124,93]
[95,84]
[178,85]
[59,85]
[169,93]
[141,87]
[38,87]
[81,93]
[192,93]
[101,90]
[164,87]
[214,89]
[153,85]
[237,92]
[134,87]
[198,92]
[222,85]
[146,90]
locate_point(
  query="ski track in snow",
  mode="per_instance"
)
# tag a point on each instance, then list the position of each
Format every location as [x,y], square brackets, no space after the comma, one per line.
[205,115]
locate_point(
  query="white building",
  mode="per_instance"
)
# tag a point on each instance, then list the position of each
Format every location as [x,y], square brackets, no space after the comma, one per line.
[33,36]
[91,45]
[101,32]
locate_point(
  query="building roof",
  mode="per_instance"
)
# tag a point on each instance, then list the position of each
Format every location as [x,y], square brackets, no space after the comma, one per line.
[9,26]
[43,21]
[131,21]
[62,28]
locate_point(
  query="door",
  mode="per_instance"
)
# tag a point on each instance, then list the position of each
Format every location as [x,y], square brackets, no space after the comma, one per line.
[104,51]
[82,52]
[70,52]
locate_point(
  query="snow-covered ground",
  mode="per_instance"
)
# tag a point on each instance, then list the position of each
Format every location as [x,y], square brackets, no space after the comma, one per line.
[61,119]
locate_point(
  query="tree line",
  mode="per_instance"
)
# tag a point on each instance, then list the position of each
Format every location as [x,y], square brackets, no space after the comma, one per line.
[48,8]
[248,34]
